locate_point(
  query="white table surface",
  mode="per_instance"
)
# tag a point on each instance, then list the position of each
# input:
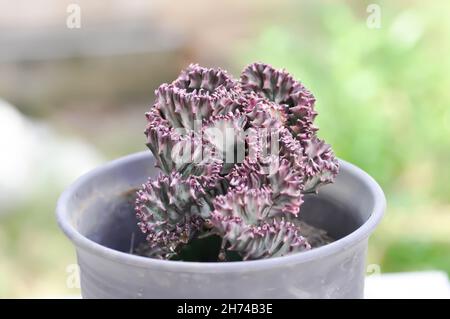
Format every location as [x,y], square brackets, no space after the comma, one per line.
[409,285]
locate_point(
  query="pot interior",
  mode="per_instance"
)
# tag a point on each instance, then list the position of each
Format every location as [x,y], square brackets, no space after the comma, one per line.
[102,205]
[112,223]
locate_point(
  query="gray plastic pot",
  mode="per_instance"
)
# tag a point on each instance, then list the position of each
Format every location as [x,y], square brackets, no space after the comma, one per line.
[96,213]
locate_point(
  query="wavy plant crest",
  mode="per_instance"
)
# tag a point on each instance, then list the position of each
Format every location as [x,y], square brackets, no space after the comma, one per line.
[236,158]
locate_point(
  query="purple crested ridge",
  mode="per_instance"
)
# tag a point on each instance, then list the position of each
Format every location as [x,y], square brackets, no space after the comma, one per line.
[236,159]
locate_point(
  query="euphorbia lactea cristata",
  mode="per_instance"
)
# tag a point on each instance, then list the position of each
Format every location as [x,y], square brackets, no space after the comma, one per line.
[236,158]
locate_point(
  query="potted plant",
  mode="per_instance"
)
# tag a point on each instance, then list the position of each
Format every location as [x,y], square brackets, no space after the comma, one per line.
[228,205]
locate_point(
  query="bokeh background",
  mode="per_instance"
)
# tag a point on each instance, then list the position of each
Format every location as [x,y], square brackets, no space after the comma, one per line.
[71,99]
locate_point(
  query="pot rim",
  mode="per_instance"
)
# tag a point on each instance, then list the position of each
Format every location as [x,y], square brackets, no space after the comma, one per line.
[344,243]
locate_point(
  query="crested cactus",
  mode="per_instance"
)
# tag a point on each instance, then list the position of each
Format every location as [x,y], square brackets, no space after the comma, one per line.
[236,158]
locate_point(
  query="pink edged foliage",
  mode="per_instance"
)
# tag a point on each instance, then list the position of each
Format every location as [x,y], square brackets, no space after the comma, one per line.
[236,159]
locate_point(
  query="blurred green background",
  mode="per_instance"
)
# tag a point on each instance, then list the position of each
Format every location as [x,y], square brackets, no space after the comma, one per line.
[382,95]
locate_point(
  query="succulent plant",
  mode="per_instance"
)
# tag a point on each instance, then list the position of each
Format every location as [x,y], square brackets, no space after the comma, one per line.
[236,158]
